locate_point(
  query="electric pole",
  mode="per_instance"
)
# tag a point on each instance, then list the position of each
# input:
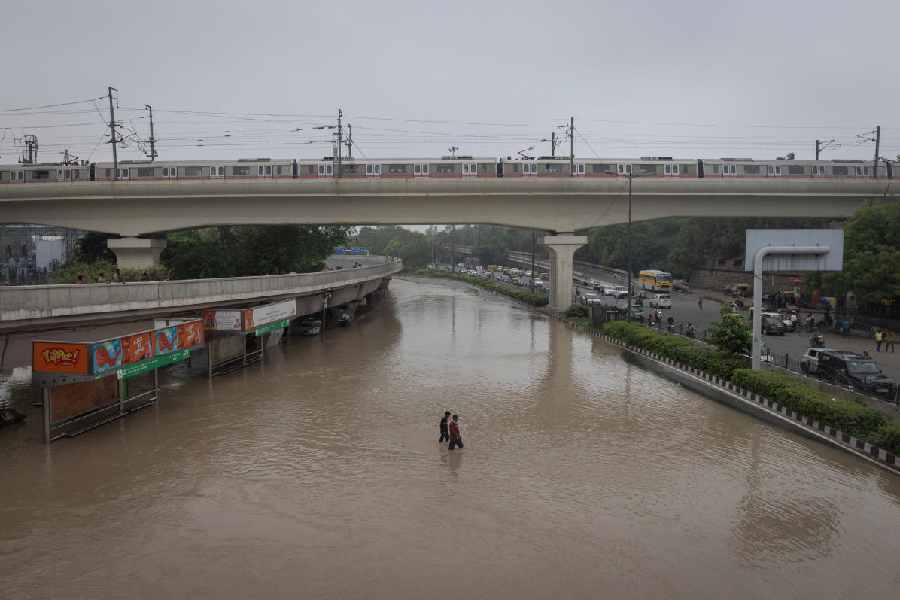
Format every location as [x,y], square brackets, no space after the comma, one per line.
[31,149]
[572,146]
[349,141]
[113,139]
[552,144]
[340,143]
[818,148]
[152,137]
[877,148]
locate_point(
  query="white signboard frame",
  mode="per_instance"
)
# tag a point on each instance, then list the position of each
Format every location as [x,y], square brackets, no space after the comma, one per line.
[227,320]
[269,313]
[833,239]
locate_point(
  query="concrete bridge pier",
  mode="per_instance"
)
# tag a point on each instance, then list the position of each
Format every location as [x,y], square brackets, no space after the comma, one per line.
[562,249]
[136,253]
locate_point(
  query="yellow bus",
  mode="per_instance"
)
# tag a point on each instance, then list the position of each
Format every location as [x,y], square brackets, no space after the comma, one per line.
[655,281]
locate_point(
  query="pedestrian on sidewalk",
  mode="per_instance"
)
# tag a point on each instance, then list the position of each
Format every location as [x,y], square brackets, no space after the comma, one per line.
[445,428]
[879,337]
[700,302]
[455,435]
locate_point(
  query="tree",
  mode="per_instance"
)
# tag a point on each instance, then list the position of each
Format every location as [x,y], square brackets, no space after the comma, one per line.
[91,248]
[871,256]
[250,250]
[731,333]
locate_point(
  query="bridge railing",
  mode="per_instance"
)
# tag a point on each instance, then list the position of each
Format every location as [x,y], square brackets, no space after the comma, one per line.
[21,303]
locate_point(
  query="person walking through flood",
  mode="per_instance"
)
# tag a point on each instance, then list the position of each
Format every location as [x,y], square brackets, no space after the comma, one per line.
[455,436]
[445,429]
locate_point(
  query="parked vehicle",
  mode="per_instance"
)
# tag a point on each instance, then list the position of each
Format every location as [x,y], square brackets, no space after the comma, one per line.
[856,371]
[616,291]
[660,301]
[310,327]
[772,324]
[809,362]
[591,298]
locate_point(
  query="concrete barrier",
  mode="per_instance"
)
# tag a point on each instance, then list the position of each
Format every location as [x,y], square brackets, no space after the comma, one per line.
[21,304]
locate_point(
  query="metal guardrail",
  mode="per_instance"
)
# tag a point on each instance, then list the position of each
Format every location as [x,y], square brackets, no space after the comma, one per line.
[20,303]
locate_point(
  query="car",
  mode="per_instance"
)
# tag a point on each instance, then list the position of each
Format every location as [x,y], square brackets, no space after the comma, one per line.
[590,298]
[309,326]
[857,371]
[772,324]
[809,362]
[616,291]
[596,285]
[660,301]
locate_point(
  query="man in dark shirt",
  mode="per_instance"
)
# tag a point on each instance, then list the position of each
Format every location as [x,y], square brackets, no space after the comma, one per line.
[445,431]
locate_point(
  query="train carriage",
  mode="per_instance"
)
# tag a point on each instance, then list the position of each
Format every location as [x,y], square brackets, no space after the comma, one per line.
[194,169]
[45,173]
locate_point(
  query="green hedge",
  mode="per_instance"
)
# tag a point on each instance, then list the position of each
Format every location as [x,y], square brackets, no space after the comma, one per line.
[535,299]
[683,350]
[888,438]
[848,416]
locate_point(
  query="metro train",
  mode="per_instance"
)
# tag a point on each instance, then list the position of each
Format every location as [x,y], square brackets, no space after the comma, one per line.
[446,167]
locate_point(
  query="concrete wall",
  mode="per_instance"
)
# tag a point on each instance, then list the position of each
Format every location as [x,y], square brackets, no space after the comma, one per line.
[22,303]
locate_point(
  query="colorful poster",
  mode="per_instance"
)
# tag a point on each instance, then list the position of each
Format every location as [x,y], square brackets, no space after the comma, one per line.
[190,335]
[166,340]
[137,347]
[60,357]
[106,356]
[223,320]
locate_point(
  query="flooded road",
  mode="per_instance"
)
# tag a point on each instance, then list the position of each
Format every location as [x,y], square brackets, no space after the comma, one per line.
[318,475]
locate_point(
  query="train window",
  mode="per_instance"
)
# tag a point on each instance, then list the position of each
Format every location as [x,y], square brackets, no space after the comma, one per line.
[145,172]
[108,173]
[418,169]
[396,169]
[268,169]
[668,169]
[795,170]
[425,169]
[674,169]
[620,168]
[866,170]
[193,171]
[465,168]
[329,169]
[551,168]
[240,171]
[580,168]
[259,170]
[222,171]
[278,170]
[859,170]
[770,170]
[378,169]
[369,169]
[839,171]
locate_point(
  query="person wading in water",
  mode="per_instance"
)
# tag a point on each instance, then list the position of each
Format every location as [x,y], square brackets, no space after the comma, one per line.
[455,436]
[445,429]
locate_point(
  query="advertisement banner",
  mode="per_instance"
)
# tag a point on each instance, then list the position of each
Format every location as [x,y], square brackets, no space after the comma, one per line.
[166,340]
[269,313]
[60,357]
[137,347]
[223,320]
[190,335]
[106,356]
[157,362]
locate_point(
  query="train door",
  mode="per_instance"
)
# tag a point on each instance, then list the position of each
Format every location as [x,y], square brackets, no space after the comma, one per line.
[326,169]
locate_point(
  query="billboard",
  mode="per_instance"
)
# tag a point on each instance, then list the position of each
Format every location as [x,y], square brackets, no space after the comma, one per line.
[60,357]
[223,320]
[108,356]
[269,313]
[833,239]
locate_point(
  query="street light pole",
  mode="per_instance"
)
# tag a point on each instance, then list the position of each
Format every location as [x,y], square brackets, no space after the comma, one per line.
[533,239]
[628,246]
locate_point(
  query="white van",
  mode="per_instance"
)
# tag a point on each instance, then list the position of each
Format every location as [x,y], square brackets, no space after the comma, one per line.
[660,301]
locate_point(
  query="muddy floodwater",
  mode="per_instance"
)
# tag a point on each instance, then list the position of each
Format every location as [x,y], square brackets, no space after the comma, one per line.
[318,475]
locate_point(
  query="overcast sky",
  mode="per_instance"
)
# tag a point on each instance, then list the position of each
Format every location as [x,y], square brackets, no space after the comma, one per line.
[232,79]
